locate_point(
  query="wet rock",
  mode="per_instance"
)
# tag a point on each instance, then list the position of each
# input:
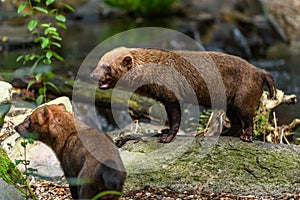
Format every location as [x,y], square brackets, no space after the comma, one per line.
[8,192]
[9,40]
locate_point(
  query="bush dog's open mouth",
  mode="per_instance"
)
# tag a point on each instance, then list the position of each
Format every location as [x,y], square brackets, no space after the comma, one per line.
[104,84]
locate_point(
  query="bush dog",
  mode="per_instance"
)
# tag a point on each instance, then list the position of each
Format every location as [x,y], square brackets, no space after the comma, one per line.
[243,82]
[88,157]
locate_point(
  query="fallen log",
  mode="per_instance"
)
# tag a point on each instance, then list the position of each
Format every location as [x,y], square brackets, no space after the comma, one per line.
[85,92]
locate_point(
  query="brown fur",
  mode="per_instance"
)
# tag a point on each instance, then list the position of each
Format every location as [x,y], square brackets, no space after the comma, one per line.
[83,152]
[243,83]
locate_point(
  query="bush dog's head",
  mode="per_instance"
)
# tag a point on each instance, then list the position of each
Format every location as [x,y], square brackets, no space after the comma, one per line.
[44,123]
[112,66]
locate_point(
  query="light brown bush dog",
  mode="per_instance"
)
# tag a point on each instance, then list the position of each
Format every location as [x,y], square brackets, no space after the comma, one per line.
[88,156]
[243,83]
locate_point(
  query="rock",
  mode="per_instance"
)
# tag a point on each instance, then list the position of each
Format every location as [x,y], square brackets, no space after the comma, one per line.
[8,192]
[9,40]
[10,179]
[223,164]
[287,15]
[5,100]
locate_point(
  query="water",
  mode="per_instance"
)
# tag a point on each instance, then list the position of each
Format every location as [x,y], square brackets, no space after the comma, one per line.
[81,37]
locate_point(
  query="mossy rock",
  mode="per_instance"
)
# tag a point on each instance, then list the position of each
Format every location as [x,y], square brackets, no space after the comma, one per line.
[224,164]
[9,173]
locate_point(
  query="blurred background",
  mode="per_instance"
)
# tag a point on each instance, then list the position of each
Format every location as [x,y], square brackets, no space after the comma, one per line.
[264,32]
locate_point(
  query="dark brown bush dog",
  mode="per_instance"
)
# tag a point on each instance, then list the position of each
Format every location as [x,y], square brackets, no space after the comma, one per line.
[88,156]
[243,83]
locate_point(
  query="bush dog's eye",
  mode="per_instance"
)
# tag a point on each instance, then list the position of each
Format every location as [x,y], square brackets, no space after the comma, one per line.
[106,68]
[28,123]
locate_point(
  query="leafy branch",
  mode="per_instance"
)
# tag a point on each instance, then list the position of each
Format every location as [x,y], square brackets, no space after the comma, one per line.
[46,35]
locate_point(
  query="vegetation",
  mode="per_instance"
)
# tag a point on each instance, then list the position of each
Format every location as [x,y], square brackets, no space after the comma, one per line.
[28,171]
[11,175]
[204,120]
[261,124]
[46,35]
[144,7]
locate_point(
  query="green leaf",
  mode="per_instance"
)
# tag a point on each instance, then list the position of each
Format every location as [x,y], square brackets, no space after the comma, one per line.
[22,7]
[45,43]
[24,143]
[37,62]
[68,7]
[32,24]
[56,44]
[58,57]
[60,18]
[49,75]
[49,2]
[61,25]
[45,25]
[30,83]
[49,30]
[42,91]
[47,61]
[39,100]
[38,1]
[36,40]
[38,76]
[32,57]
[43,10]
[103,193]
[53,11]
[53,86]
[56,37]
[19,58]
[30,140]
[31,170]
[49,54]
[18,162]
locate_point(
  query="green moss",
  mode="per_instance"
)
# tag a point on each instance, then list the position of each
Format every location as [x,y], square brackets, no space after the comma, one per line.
[8,172]
[231,166]
[148,7]
[11,175]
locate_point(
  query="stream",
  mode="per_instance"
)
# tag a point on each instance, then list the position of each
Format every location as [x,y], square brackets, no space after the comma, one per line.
[82,36]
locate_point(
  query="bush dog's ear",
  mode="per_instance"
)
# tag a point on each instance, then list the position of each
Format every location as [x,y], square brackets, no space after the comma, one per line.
[45,115]
[127,61]
[62,106]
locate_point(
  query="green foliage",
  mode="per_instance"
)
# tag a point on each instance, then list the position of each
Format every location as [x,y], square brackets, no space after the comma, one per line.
[193,123]
[11,175]
[203,119]
[28,171]
[261,124]
[103,193]
[148,7]
[8,171]
[46,78]
[46,35]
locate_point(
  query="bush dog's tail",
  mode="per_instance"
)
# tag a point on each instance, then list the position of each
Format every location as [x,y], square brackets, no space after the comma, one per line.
[269,81]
